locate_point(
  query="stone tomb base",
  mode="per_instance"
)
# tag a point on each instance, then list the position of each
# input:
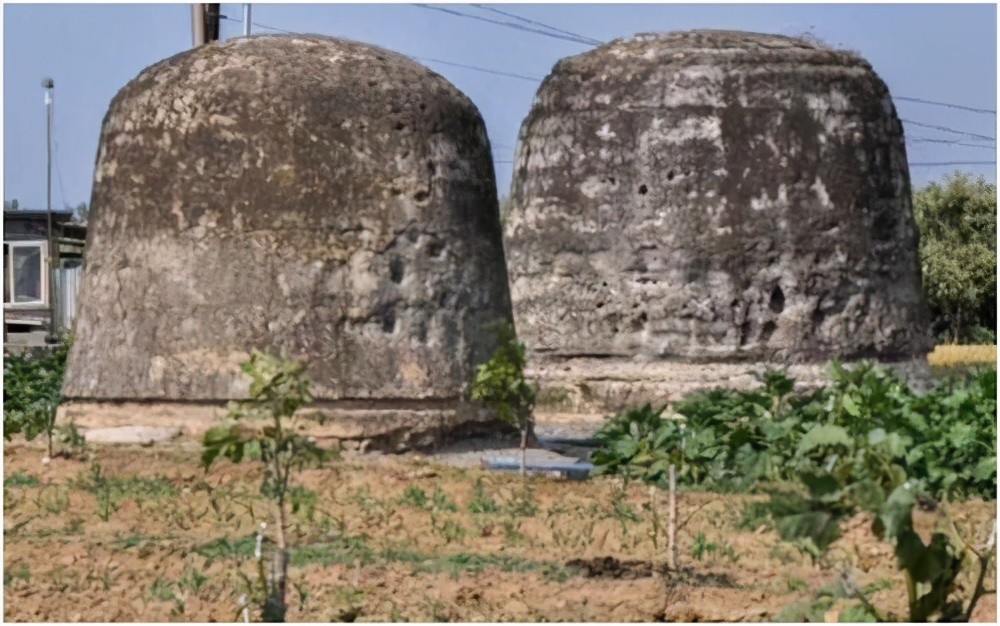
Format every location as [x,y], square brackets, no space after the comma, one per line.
[590,387]
[392,426]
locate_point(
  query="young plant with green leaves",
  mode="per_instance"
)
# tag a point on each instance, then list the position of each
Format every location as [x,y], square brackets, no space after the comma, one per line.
[499,383]
[265,427]
[32,392]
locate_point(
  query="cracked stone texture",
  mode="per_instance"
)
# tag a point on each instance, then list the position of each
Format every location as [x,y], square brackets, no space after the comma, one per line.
[713,197]
[321,196]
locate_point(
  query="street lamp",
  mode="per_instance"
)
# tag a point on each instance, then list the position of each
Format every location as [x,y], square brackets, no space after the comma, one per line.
[48,84]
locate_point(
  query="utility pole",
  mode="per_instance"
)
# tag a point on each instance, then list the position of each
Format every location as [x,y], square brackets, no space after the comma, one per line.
[48,84]
[204,23]
[197,25]
[246,19]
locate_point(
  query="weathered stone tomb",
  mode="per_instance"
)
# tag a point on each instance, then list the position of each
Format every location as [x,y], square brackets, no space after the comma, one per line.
[323,197]
[688,205]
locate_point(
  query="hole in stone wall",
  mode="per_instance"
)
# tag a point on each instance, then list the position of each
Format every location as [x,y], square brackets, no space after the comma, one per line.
[767,330]
[434,248]
[643,190]
[385,316]
[400,126]
[600,305]
[639,322]
[670,175]
[777,303]
[744,332]
[396,269]
[421,195]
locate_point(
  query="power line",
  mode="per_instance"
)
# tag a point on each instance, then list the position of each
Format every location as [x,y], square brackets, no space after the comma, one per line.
[581,39]
[945,104]
[596,42]
[259,25]
[948,130]
[953,142]
[953,163]
[55,158]
[574,39]
[532,79]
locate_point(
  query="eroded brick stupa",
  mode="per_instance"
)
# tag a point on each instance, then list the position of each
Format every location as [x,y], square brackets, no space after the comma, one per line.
[322,197]
[686,206]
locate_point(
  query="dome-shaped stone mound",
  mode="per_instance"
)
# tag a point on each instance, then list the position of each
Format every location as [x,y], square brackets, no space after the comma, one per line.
[322,197]
[687,204]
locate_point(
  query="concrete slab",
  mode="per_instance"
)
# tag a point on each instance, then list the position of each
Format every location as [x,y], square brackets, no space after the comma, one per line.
[143,435]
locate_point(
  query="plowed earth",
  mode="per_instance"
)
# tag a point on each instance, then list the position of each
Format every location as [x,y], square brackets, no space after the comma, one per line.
[155,538]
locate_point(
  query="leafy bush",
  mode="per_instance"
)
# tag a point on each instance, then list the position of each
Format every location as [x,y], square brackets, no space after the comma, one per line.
[499,383]
[32,384]
[741,439]
[865,442]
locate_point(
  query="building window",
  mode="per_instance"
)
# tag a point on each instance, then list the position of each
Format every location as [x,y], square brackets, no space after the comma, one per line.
[24,279]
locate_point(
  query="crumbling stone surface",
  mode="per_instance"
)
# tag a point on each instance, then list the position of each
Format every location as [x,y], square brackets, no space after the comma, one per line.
[713,197]
[324,197]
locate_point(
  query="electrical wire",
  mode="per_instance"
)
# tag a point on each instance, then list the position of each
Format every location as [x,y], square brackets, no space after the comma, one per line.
[942,163]
[513,25]
[948,130]
[596,42]
[590,41]
[259,25]
[953,142]
[55,157]
[486,70]
[946,104]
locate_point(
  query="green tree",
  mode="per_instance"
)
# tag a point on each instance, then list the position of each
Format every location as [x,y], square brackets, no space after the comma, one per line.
[957,219]
[266,427]
[499,384]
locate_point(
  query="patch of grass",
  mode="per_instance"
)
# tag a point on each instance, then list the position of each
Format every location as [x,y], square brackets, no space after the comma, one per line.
[466,562]
[441,502]
[17,571]
[414,496]
[119,488]
[878,585]
[354,550]
[20,479]
[703,546]
[192,580]
[482,502]
[225,548]
[162,589]
[53,500]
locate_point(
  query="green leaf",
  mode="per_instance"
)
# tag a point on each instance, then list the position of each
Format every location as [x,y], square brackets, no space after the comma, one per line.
[823,435]
[985,469]
[856,613]
[895,518]
[849,406]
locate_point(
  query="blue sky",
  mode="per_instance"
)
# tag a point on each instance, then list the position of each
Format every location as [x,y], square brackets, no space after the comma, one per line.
[936,52]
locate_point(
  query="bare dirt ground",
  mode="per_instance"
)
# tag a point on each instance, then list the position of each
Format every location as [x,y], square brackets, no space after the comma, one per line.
[152,537]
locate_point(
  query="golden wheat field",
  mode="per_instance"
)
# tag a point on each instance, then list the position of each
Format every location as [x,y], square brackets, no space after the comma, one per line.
[955,359]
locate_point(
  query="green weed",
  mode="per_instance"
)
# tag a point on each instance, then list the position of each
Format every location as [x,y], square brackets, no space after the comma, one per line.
[20,479]
[481,502]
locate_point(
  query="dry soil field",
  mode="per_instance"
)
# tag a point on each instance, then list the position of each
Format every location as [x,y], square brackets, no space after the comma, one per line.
[149,536]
